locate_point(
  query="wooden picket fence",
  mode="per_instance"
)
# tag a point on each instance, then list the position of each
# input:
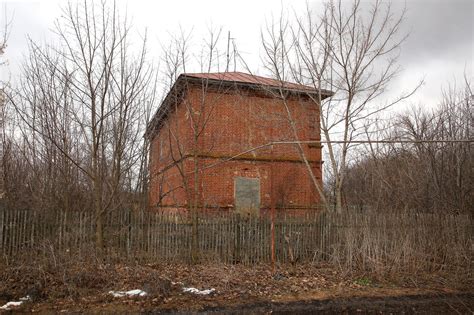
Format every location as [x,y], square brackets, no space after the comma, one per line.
[222,236]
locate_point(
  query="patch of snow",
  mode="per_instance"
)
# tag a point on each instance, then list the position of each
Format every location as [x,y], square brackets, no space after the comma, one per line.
[15,303]
[10,304]
[136,292]
[197,291]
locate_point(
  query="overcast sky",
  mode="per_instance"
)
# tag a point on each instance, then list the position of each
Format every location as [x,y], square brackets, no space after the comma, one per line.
[440,47]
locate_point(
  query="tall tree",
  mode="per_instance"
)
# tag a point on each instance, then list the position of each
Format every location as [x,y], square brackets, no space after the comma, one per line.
[85,102]
[180,142]
[350,51]
[4,32]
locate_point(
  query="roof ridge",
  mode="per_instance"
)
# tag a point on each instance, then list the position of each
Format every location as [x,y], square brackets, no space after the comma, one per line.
[219,72]
[248,78]
[209,75]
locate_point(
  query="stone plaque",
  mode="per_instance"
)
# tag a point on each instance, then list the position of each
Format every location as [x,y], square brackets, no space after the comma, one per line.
[247,195]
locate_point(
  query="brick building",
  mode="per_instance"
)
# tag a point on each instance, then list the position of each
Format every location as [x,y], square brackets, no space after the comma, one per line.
[209,144]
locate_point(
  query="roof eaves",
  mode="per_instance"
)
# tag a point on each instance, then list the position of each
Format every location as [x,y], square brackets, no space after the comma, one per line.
[155,124]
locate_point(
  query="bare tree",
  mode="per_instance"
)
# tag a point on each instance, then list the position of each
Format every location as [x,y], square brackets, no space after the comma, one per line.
[4,34]
[346,50]
[180,143]
[278,48]
[431,170]
[85,103]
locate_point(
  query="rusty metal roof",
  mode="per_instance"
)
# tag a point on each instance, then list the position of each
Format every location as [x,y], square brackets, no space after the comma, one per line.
[247,78]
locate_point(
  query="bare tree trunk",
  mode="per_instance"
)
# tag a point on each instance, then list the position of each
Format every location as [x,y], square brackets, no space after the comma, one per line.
[183,143]
[345,49]
[86,100]
[194,207]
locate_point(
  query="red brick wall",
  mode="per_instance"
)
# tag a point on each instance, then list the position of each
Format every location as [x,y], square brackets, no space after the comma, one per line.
[235,121]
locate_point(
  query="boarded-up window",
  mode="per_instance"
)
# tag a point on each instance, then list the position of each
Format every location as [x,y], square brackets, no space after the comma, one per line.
[247,195]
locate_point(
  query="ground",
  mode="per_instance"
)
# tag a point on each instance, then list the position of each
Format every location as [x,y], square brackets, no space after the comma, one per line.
[239,289]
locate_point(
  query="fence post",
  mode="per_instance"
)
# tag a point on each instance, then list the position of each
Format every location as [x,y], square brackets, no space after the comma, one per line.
[237,241]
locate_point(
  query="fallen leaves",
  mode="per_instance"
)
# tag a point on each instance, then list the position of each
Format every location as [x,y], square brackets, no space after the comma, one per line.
[72,287]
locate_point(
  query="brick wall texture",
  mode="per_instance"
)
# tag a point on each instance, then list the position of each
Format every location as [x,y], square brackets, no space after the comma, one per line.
[209,124]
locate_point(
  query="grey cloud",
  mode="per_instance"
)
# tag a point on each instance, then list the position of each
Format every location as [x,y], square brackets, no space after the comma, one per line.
[440,45]
[439,29]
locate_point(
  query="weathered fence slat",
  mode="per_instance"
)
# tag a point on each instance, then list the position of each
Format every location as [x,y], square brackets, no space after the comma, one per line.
[226,237]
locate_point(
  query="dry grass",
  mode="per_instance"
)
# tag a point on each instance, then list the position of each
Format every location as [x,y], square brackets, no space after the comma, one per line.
[353,242]
[388,243]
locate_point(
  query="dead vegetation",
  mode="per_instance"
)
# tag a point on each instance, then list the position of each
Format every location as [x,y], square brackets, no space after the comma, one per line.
[357,240]
[84,285]
[416,237]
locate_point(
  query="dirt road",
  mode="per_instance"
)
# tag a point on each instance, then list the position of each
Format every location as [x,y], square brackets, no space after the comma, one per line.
[413,304]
